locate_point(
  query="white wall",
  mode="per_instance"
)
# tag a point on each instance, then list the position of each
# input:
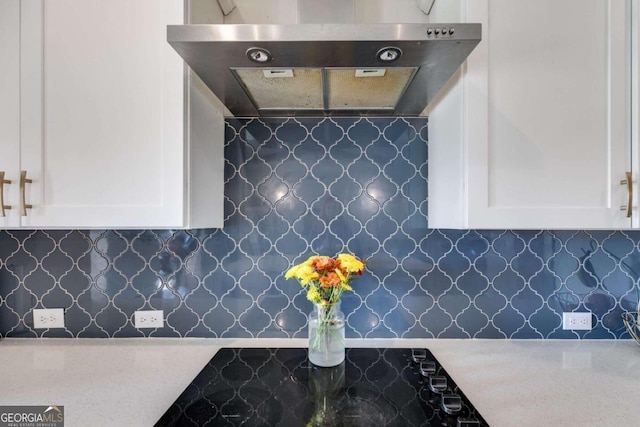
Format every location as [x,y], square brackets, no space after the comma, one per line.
[445,11]
[205,12]
[389,11]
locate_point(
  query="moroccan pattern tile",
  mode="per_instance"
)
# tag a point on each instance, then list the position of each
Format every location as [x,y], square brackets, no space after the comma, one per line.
[296,187]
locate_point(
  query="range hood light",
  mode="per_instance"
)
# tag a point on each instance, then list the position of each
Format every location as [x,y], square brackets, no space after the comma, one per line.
[259,55]
[389,54]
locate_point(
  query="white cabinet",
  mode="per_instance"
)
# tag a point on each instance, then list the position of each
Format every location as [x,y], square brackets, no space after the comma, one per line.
[539,135]
[102,120]
[9,111]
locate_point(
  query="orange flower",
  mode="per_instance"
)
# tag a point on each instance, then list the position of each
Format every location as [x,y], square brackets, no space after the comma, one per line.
[324,263]
[330,280]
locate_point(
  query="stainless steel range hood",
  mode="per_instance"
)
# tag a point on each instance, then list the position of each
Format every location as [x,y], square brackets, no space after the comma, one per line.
[325,69]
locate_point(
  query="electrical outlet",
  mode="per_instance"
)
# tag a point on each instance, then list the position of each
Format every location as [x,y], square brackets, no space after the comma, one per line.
[576,321]
[45,318]
[149,319]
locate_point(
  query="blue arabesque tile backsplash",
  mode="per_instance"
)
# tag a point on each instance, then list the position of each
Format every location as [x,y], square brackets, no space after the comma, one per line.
[296,187]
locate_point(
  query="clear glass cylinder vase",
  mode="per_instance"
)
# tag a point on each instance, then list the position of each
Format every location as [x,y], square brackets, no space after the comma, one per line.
[326,335]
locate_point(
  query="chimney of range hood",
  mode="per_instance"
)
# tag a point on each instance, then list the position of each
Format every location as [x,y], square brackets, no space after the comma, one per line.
[326,12]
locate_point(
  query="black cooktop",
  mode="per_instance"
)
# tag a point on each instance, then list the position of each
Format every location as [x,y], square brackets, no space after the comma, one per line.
[279,387]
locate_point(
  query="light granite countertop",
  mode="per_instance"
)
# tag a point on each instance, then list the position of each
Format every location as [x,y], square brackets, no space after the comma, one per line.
[131,381]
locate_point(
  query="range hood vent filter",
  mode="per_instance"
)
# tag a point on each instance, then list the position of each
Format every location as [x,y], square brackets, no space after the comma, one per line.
[313,89]
[303,91]
[348,91]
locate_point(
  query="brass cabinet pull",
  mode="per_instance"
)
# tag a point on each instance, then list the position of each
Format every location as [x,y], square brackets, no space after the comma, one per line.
[23,198]
[629,183]
[3,207]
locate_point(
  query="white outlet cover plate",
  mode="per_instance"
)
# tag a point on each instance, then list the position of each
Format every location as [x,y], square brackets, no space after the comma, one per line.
[47,318]
[149,319]
[576,321]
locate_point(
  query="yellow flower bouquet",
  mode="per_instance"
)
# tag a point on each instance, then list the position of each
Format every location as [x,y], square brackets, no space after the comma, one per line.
[325,279]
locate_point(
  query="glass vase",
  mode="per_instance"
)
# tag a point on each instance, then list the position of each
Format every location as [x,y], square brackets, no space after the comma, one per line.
[326,335]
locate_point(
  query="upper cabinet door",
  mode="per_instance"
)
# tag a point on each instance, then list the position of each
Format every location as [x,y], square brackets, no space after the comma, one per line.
[102,114]
[9,112]
[547,115]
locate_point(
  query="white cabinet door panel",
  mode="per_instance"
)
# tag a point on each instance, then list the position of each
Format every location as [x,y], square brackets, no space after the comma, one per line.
[546,99]
[10,110]
[556,108]
[110,109]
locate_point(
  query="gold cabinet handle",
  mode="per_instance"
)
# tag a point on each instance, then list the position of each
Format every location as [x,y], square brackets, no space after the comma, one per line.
[629,183]
[23,197]
[3,207]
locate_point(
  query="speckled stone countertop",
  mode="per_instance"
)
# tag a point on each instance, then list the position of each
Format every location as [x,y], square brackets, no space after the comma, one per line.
[131,382]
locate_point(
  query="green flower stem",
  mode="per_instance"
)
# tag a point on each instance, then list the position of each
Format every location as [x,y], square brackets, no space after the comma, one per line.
[325,330]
